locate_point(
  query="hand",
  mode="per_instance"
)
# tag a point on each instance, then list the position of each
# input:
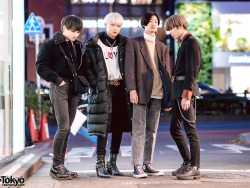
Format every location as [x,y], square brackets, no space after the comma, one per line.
[62,83]
[134,98]
[185,104]
[167,109]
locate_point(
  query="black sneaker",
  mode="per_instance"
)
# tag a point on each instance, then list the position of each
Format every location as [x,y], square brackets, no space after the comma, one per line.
[190,173]
[147,168]
[73,174]
[138,172]
[181,169]
[59,173]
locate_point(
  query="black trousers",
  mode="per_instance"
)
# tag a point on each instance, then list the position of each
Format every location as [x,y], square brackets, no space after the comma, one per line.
[119,117]
[65,102]
[189,123]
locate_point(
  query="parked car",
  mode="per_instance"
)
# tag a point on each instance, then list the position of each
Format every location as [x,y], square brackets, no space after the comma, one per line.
[214,101]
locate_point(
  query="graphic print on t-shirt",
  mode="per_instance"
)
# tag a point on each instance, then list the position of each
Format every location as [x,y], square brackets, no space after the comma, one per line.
[111,61]
[110,55]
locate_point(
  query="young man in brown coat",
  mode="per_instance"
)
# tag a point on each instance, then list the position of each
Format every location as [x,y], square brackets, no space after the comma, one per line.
[184,93]
[147,75]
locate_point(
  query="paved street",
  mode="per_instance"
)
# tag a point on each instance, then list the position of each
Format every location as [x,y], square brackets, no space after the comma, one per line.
[223,159]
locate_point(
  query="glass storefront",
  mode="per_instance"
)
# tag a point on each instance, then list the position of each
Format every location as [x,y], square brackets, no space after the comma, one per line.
[11,77]
[5,72]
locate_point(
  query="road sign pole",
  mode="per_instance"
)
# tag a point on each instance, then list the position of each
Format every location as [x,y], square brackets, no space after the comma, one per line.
[32,27]
[38,83]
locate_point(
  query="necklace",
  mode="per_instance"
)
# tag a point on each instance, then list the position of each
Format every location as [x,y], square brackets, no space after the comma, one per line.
[111,46]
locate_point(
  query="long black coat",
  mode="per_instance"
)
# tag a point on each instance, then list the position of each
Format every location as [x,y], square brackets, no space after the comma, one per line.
[188,64]
[51,64]
[99,99]
[139,71]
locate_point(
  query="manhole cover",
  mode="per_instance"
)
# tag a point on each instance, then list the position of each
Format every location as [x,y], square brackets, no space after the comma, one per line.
[225,176]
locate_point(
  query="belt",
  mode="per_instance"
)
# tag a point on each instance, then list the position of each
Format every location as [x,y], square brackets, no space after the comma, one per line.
[67,80]
[114,82]
[178,78]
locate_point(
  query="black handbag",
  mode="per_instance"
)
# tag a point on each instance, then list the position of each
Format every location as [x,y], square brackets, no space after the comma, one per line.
[80,82]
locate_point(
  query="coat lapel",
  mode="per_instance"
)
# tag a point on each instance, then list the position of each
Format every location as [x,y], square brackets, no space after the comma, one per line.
[159,51]
[144,52]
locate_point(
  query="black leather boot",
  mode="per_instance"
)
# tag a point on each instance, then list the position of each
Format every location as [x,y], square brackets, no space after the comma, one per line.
[100,167]
[111,166]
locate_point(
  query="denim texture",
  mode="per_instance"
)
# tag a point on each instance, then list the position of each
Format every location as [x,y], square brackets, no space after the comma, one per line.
[65,102]
[144,128]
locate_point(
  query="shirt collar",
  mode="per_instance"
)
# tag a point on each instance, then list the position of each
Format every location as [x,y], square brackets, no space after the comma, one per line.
[148,37]
[180,41]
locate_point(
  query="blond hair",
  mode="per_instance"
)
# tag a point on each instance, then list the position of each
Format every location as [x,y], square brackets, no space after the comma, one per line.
[114,18]
[176,20]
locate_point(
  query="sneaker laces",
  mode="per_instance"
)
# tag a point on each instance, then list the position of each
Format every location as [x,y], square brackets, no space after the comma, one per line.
[61,169]
[139,169]
[150,168]
[183,167]
[66,170]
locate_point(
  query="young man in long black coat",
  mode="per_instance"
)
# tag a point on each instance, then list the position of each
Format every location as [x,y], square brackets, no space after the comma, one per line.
[184,93]
[108,102]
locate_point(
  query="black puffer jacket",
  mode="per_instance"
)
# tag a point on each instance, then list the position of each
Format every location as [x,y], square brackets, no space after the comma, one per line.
[99,98]
[51,64]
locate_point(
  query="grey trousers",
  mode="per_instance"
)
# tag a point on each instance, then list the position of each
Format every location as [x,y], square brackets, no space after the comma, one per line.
[65,102]
[144,128]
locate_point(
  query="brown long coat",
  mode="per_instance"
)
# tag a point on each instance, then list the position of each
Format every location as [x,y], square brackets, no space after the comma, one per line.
[138,69]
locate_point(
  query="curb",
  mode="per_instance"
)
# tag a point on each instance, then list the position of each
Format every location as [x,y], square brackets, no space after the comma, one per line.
[245,137]
[23,167]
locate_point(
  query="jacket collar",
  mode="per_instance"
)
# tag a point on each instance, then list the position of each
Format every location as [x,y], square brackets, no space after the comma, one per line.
[59,38]
[93,41]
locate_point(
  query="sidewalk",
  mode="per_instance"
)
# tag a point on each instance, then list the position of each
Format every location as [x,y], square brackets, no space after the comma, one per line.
[35,170]
[38,172]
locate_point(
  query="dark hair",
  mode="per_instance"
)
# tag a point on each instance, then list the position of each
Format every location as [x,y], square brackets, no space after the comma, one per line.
[72,22]
[146,18]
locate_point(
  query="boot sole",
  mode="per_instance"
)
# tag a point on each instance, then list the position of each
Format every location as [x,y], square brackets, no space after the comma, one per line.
[68,178]
[75,176]
[101,176]
[188,177]
[112,174]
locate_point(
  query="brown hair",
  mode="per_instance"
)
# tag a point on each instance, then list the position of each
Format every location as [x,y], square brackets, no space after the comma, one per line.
[176,20]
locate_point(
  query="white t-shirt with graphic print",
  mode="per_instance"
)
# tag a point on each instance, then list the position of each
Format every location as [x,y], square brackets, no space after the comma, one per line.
[111,60]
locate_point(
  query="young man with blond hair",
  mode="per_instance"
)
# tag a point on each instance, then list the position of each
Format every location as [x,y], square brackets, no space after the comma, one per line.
[184,93]
[108,102]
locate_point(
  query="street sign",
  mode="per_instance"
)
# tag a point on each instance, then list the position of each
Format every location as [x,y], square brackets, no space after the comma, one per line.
[41,21]
[32,38]
[32,26]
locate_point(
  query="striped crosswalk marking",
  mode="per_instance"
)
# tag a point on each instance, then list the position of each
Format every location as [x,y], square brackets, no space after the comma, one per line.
[81,152]
[125,151]
[174,147]
[234,147]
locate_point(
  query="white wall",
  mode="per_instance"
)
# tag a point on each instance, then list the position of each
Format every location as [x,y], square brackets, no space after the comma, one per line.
[18,76]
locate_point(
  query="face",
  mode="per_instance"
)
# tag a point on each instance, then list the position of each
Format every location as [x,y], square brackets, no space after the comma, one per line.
[152,25]
[112,29]
[70,35]
[176,32]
